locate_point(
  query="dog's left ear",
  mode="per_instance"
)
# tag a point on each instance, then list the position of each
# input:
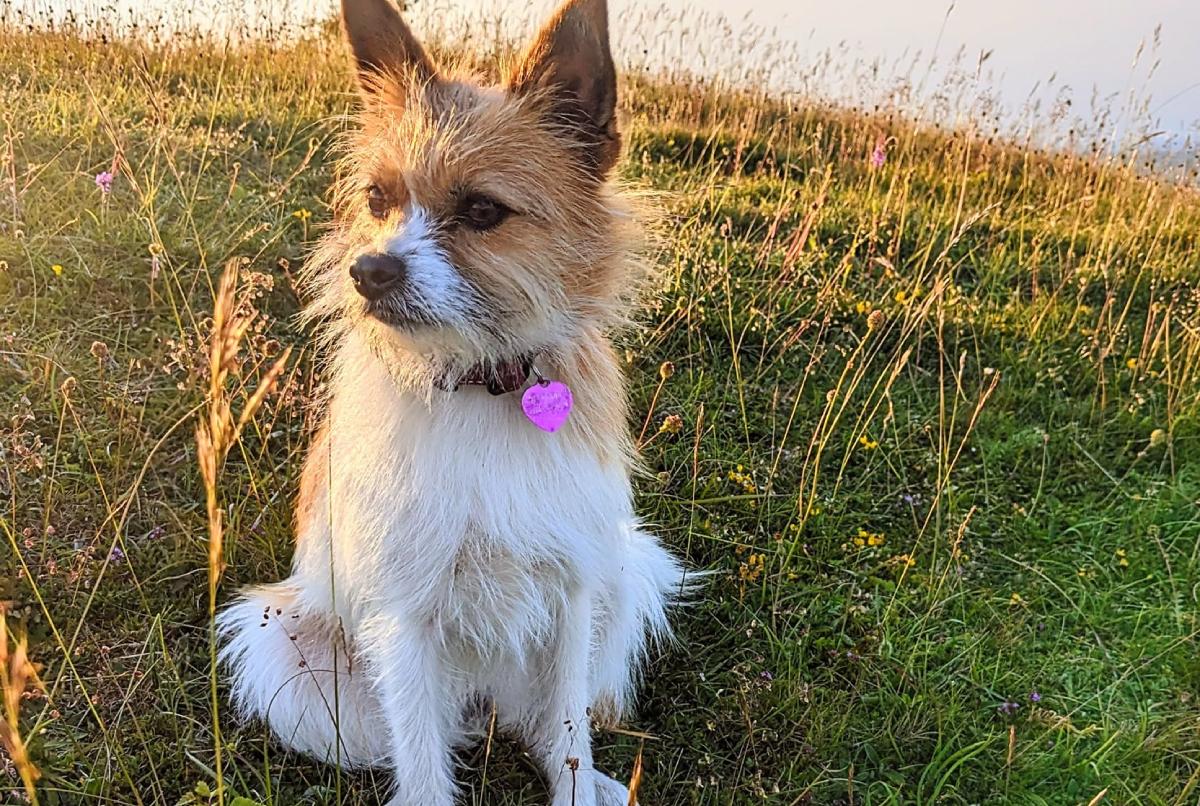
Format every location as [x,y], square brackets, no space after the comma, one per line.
[571,62]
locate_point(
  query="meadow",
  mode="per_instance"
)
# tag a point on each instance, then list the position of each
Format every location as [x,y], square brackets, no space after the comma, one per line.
[922,397]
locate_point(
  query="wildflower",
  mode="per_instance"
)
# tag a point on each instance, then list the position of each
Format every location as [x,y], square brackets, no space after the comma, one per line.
[875,320]
[879,154]
[1008,708]
[752,569]
[1157,437]
[116,555]
[671,424]
[1131,363]
[104,181]
[868,443]
[861,307]
[1016,599]
[902,297]
[1122,560]
[666,370]
[57,269]
[1035,697]
[303,214]
[741,477]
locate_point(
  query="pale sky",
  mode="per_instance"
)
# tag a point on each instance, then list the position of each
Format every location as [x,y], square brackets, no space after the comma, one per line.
[1087,46]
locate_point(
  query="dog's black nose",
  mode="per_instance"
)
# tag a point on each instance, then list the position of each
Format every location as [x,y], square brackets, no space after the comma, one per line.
[375,275]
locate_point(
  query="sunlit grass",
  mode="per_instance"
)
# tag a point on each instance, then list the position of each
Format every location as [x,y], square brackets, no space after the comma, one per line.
[930,416]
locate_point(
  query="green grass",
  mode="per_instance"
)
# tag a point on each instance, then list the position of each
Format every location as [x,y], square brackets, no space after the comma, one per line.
[981,361]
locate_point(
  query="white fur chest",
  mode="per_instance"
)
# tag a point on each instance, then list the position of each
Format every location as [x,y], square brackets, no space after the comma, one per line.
[459,511]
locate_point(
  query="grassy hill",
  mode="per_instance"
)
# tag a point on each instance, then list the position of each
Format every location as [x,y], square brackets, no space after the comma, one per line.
[937,437]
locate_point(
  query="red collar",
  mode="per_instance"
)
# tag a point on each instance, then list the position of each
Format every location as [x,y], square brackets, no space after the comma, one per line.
[499,377]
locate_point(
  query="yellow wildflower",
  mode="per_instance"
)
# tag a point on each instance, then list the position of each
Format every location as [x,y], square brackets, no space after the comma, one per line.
[671,424]
[752,568]
[742,478]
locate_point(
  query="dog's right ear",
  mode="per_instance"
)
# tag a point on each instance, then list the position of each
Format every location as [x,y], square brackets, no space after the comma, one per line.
[383,44]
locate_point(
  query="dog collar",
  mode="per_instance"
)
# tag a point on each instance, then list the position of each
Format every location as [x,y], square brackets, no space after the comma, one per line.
[546,403]
[499,378]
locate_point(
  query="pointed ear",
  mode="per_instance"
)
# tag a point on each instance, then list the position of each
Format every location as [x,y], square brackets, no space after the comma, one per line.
[570,60]
[382,42]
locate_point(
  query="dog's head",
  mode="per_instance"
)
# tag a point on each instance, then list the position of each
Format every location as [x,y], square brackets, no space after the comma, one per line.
[473,219]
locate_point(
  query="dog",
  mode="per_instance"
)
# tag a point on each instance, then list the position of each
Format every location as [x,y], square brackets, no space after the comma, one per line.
[466,539]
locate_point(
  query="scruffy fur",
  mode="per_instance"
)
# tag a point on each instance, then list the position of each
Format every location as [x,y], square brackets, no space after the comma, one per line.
[451,557]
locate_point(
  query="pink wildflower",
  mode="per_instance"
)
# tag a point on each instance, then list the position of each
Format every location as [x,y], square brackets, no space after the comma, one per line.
[879,155]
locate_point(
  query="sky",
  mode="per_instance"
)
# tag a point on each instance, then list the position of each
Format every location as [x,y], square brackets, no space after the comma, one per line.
[1087,44]
[1139,59]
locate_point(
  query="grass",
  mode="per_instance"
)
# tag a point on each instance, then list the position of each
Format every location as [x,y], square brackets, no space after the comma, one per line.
[933,424]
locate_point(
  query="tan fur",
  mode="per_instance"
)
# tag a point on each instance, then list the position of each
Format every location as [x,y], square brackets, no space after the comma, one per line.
[314,482]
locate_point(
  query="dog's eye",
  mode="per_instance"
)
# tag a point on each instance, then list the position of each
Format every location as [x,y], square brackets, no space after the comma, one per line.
[377,202]
[481,213]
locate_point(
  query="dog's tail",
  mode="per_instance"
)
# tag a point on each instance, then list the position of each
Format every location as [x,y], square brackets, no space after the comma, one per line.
[633,616]
[293,669]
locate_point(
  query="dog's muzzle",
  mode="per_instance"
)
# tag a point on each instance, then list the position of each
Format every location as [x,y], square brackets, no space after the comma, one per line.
[376,275]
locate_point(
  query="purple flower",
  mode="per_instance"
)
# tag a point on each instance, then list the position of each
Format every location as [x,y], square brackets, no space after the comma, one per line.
[1008,708]
[1035,697]
[104,181]
[879,155]
[116,555]
[765,675]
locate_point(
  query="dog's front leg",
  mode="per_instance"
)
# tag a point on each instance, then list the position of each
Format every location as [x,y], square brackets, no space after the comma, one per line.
[416,702]
[562,733]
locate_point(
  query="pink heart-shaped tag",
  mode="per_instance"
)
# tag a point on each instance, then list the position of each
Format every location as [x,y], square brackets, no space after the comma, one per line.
[547,405]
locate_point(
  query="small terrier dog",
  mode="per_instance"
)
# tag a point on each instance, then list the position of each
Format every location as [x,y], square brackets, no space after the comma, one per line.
[466,541]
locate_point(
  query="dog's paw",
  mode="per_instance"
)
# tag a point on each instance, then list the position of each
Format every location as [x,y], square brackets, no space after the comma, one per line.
[610,792]
[597,789]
